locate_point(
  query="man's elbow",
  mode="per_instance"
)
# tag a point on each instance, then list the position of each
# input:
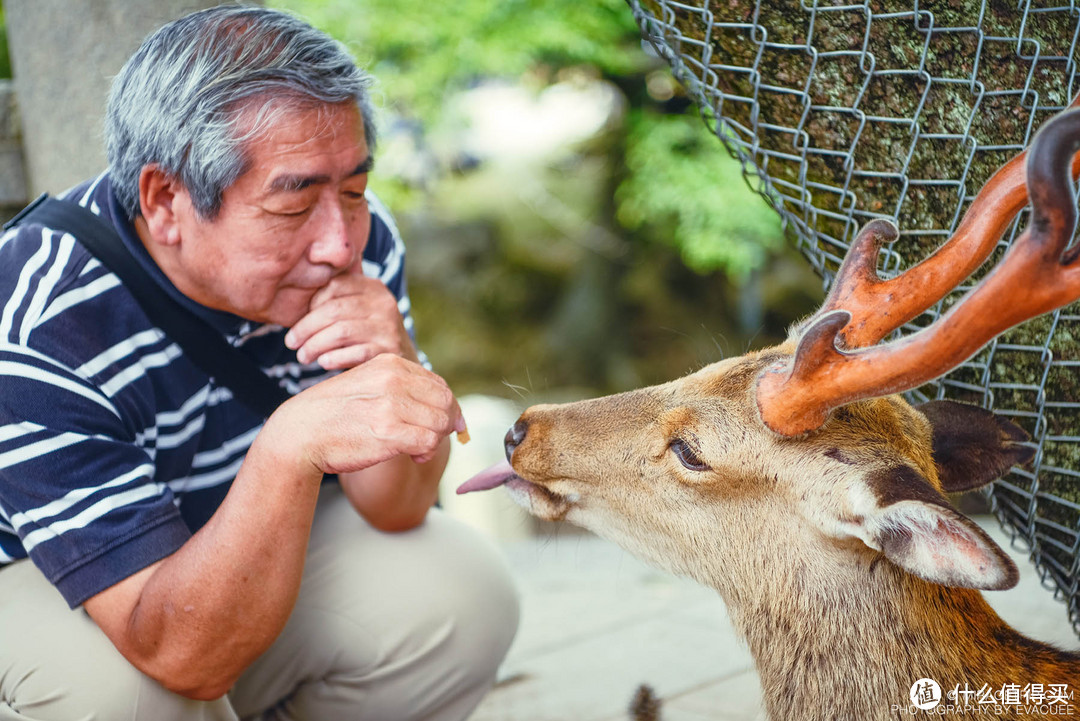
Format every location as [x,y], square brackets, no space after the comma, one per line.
[197,686]
[200,693]
[396,520]
[187,674]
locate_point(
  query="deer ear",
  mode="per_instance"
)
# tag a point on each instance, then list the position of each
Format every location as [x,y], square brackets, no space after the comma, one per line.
[917,529]
[972,446]
[943,546]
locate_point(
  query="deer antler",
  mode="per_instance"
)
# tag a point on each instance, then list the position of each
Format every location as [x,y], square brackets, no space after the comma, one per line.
[1038,274]
[878,306]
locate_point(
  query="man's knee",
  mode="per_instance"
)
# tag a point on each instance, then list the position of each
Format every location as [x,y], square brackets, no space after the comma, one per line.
[411,625]
[115,691]
[456,627]
[449,598]
[55,663]
[485,606]
[470,587]
[441,575]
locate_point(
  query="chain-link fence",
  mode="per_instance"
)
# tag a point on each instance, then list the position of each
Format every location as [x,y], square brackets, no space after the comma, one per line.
[845,111]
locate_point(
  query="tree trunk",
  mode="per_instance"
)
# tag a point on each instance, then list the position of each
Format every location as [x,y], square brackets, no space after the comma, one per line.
[63,56]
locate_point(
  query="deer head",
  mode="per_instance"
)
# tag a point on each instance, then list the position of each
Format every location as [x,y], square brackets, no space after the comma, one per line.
[805,444]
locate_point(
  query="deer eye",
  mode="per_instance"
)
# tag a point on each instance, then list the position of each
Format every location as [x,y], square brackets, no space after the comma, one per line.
[686,456]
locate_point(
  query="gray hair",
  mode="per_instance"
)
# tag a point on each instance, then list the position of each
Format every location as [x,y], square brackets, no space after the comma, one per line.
[184,99]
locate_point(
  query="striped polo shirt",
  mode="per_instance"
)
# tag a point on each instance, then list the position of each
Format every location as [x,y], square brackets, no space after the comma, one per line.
[114,446]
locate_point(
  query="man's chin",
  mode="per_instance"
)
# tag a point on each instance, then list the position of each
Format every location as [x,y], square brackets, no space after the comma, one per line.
[288,307]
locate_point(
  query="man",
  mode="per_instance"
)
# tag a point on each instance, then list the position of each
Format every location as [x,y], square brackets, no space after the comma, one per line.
[219,576]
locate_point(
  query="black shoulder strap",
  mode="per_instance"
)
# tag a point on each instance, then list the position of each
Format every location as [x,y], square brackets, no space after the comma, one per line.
[204,345]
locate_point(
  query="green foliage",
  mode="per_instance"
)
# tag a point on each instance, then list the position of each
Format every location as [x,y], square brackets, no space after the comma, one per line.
[421,50]
[678,185]
[5,59]
[683,187]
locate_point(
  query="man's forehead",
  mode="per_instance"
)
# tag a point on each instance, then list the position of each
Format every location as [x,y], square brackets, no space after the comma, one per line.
[310,145]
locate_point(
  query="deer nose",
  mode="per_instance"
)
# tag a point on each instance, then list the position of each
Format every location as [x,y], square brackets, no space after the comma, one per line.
[514,437]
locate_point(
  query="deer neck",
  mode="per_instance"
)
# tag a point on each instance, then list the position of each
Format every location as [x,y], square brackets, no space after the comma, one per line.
[849,638]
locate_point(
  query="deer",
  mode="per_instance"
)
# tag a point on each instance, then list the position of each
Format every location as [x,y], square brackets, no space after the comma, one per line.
[797,482]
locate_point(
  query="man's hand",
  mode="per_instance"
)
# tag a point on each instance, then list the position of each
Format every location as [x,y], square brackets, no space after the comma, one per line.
[385,407]
[394,415]
[350,321]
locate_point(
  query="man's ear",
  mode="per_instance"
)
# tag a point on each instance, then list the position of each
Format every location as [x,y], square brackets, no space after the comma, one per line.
[159,194]
[916,528]
[972,446]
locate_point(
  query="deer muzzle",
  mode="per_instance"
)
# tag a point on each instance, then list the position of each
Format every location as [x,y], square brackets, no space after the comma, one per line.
[501,472]
[531,493]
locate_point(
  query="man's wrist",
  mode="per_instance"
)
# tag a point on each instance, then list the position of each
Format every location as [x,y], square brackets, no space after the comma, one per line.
[281,449]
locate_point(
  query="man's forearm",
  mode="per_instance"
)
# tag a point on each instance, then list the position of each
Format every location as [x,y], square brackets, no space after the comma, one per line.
[396,495]
[197,619]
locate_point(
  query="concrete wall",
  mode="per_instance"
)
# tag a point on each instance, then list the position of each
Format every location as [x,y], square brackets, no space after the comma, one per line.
[13,192]
[63,56]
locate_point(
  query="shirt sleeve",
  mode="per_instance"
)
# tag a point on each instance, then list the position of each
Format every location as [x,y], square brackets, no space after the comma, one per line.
[80,497]
[77,484]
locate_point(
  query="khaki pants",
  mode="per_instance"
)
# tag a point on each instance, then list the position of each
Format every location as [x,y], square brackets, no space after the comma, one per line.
[387,627]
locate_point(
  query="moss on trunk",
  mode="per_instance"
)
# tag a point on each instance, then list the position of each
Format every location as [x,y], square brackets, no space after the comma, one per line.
[842,101]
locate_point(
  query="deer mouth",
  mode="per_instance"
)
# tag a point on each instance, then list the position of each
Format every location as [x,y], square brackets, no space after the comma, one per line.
[535,498]
[492,477]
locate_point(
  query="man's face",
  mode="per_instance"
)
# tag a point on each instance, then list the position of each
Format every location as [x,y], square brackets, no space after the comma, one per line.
[288,225]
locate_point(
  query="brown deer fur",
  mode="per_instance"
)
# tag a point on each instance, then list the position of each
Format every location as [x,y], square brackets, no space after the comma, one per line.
[840,559]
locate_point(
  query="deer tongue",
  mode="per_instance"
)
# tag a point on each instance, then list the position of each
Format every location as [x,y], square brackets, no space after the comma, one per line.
[488,478]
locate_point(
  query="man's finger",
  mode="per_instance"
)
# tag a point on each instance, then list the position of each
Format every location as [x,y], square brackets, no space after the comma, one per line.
[343,358]
[343,285]
[376,310]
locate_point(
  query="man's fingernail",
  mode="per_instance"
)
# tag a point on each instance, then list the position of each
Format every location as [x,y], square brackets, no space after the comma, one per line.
[290,341]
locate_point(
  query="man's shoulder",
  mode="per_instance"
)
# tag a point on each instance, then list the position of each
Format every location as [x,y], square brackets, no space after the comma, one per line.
[54,294]
[32,247]
[39,265]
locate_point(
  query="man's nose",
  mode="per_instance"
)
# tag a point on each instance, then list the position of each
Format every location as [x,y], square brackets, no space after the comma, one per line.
[334,245]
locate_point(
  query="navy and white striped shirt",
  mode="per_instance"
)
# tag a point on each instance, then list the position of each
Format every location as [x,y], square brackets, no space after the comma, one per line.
[114,446]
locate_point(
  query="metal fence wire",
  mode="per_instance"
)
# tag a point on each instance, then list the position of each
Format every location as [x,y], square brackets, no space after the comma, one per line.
[843,112]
